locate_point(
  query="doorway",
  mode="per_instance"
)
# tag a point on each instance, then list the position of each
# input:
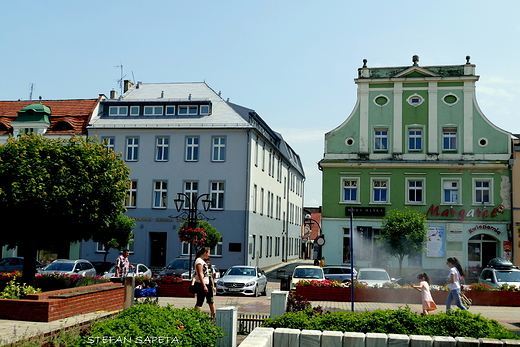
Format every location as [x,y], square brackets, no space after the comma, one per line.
[158,249]
[481,249]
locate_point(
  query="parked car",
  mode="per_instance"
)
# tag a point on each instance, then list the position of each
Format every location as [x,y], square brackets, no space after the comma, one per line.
[102,266]
[177,267]
[186,275]
[11,264]
[373,276]
[142,270]
[499,272]
[306,272]
[241,279]
[339,273]
[71,267]
[437,277]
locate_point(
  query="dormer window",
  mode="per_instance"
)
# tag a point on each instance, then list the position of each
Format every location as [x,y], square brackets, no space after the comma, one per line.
[153,110]
[170,110]
[204,110]
[188,110]
[118,110]
[134,110]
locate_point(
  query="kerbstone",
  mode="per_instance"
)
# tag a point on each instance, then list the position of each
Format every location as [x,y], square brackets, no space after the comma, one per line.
[310,338]
[353,339]
[444,341]
[284,337]
[486,342]
[376,340]
[420,341]
[398,340]
[332,339]
[467,342]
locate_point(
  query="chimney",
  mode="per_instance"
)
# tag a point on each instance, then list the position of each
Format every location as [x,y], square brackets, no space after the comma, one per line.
[127,85]
[113,94]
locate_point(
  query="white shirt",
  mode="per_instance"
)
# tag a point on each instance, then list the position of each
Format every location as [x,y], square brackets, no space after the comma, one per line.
[204,270]
[456,284]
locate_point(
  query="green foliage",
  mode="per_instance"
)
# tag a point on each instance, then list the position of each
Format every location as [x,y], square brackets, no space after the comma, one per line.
[403,233]
[142,323]
[15,290]
[507,287]
[213,237]
[456,323]
[118,234]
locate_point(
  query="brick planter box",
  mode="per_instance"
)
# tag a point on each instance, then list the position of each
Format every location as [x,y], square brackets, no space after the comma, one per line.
[405,296]
[175,289]
[59,304]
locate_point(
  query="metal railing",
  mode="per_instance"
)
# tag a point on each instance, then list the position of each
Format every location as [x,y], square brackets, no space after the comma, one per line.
[248,323]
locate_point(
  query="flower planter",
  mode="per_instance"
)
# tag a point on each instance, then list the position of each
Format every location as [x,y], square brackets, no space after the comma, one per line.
[405,296]
[180,289]
[59,304]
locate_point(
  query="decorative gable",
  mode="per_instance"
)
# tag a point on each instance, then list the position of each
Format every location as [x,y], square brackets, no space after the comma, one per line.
[416,71]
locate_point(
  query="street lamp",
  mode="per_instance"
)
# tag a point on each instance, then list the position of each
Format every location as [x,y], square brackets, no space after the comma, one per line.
[320,240]
[192,215]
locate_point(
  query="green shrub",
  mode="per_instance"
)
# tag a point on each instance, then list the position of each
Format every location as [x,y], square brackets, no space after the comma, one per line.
[14,290]
[147,325]
[401,321]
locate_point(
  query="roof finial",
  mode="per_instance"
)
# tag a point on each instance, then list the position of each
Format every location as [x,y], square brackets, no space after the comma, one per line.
[467,59]
[364,63]
[415,60]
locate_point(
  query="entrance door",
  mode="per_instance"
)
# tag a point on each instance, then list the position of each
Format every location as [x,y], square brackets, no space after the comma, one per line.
[481,249]
[158,249]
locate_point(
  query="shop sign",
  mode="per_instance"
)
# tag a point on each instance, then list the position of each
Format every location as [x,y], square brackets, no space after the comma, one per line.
[461,214]
[365,211]
[484,226]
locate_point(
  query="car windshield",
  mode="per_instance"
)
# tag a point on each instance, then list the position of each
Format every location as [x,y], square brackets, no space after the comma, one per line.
[373,275]
[308,273]
[59,267]
[508,276]
[179,264]
[4,262]
[241,271]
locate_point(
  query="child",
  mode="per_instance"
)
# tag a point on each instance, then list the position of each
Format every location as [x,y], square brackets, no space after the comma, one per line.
[424,287]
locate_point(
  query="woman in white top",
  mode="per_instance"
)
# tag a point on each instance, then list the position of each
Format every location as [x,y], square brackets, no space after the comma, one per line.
[203,285]
[454,283]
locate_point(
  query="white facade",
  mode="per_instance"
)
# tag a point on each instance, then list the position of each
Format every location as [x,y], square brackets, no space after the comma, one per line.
[184,138]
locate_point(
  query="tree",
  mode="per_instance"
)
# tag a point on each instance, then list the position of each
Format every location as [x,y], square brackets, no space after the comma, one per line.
[117,235]
[206,235]
[403,233]
[57,191]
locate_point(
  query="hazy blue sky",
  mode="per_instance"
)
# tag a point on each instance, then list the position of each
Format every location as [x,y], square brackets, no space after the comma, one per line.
[292,61]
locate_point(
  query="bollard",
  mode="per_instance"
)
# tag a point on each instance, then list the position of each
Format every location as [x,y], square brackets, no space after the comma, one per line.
[129,283]
[227,319]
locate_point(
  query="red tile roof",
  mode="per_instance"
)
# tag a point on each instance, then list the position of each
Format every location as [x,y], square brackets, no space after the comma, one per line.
[76,113]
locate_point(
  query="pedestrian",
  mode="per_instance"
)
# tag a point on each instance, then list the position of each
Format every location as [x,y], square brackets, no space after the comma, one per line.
[322,262]
[203,287]
[123,264]
[426,297]
[317,262]
[453,281]
[211,274]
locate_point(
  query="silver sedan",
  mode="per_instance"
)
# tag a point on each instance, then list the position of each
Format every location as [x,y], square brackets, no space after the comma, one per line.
[239,279]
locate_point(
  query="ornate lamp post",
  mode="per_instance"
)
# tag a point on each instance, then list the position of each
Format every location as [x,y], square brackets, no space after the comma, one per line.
[191,216]
[320,240]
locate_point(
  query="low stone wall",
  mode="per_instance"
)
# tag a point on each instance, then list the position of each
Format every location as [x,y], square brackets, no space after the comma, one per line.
[282,337]
[58,304]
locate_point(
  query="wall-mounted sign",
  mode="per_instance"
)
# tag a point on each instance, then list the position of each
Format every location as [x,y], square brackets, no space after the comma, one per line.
[435,242]
[449,212]
[365,211]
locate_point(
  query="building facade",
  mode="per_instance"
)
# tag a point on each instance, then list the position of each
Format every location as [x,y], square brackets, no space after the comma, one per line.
[417,138]
[184,138]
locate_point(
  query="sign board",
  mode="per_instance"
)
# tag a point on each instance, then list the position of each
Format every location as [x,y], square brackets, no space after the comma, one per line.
[365,211]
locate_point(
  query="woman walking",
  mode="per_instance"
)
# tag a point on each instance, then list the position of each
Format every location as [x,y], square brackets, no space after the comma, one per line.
[454,283]
[204,287]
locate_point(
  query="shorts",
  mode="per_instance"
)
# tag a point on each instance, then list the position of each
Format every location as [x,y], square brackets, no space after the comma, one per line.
[201,295]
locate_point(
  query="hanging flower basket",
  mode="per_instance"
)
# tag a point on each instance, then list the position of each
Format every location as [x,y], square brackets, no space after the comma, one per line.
[193,236]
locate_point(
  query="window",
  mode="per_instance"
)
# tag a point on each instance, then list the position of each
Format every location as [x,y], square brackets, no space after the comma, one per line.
[159,190]
[192,148]
[170,110]
[256,152]
[449,139]
[415,100]
[153,110]
[255,197]
[261,201]
[132,148]
[350,190]
[109,142]
[191,189]
[482,191]
[118,110]
[217,195]
[204,110]
[131,195]
[381,139]
[450,191]
[414,139]
[217,250]
[380,190]
[188,110]
[415,191]
[218,149]
[134,110]
[162,148]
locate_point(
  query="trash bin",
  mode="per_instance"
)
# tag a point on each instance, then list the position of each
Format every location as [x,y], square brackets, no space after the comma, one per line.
[285,283]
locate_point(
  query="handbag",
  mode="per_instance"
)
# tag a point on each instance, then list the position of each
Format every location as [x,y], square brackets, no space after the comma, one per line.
[192,288]
[466,302]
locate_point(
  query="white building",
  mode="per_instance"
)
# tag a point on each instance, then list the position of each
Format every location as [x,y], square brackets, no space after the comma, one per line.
[184,138]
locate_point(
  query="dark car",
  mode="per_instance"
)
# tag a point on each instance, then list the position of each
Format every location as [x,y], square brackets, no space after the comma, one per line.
[437,277]
[102,266]
[339,273]
[176,267]
[11,264]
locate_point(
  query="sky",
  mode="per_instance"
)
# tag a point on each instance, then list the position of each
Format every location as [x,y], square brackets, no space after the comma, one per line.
[293,62]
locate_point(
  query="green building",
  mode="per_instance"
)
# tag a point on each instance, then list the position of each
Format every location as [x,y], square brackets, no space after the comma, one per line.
[417,138]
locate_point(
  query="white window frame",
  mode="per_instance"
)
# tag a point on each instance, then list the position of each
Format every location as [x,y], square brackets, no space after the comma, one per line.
[380,139]
[255,197]
[410,100]
[357,189]
[192,149]
[415,138]
[450,134]
[109,141]
[217,194]
[134,110]
[132,148]
[218,148]
[160,194]
[204,110]
[156,110]
[422,189]
[477,189]
[191,189]
[162,144]
[118,110]
[188,110]
[131,195]
[262,201]
[169,113]
[376,181]
[447,185]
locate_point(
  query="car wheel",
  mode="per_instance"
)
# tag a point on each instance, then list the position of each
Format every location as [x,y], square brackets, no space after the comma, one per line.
[264,292]
[256,294]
